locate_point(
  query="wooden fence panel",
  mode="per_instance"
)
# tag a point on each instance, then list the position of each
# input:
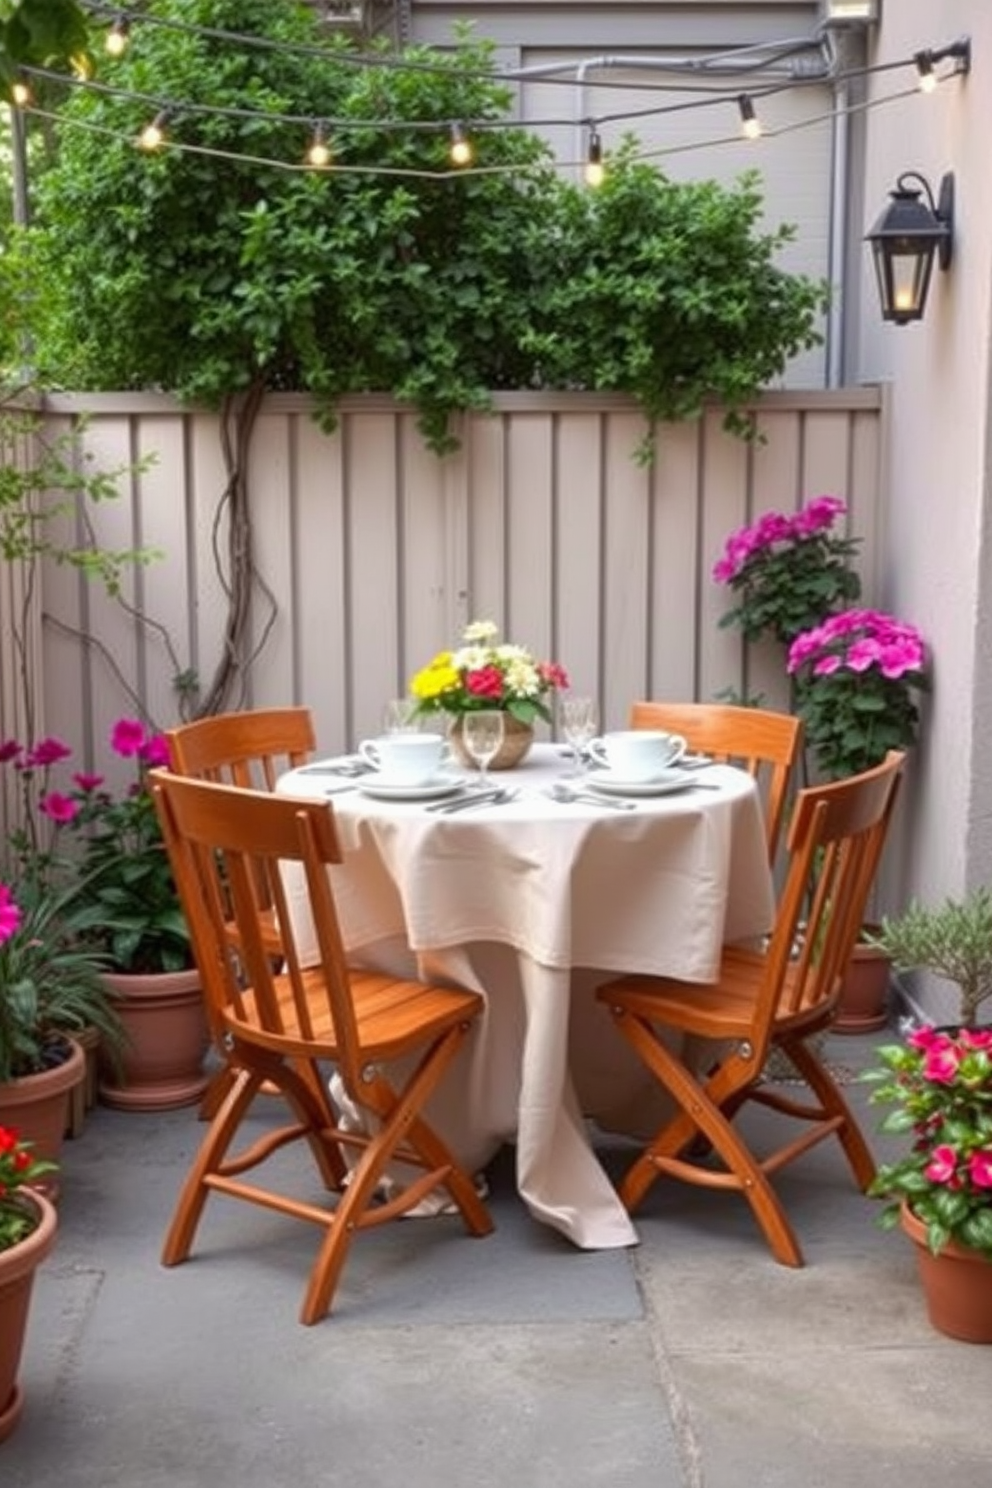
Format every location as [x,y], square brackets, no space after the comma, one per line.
[374,553]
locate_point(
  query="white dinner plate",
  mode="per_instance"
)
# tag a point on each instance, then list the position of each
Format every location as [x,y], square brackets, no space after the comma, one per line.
[661,785]
[394,790]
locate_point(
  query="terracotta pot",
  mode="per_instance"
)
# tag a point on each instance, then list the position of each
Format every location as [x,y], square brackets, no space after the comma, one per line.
[17,1268]
[167,1039]
[864,993]
[957,1285]
[517,739]
[38,1106]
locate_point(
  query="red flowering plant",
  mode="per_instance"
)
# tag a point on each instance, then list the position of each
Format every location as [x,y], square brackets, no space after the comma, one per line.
[19,1168]
[940,1084]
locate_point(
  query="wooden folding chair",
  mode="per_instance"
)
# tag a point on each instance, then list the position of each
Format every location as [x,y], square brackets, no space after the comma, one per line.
[251,750]
[778,997]
[279,1022]
[767,744]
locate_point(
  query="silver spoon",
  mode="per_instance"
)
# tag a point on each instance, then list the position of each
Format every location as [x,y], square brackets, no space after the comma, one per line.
[567,794]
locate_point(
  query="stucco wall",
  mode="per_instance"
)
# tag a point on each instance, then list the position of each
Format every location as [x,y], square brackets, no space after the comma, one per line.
[936,570]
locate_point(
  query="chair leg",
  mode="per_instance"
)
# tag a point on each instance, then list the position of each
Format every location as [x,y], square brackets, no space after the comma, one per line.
[399,1122]
[828,1093]
[193,1194]
[701,1110]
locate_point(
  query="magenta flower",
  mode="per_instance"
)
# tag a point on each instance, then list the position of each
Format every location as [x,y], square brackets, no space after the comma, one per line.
[10,914]
[155,751]
[58,808]
[45,753]
[942,1165]
[127,737]
[87,783]
[980,1168]
[9,750]
[940,1065]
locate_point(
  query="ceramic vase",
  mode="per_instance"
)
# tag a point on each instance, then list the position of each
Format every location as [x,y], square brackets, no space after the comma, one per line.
[957,1285]
[517,740]
[18,1265]
[162,1061]
[38,1107]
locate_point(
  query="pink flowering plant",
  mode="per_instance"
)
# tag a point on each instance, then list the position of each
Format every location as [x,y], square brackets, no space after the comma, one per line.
[105,852]
[485,672]
[940,1086]
[19,1169]
[857,675]
[787,571]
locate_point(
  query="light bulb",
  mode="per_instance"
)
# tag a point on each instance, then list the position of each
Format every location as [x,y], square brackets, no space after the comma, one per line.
[750,123]
[20,94]
[117,38]
[461,148]
[595,170]
[152,137]
[319,151]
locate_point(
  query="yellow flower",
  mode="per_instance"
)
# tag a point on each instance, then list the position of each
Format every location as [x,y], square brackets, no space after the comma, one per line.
[437,677]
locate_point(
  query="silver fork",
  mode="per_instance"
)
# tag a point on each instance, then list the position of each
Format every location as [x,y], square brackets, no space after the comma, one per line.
[567,794]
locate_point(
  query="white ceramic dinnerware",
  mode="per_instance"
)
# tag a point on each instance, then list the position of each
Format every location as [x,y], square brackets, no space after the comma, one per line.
[411,758]
[638,754]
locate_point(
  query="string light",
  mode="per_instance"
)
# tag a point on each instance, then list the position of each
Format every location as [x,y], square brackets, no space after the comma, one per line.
[595,171]
[319,151]
[152,137]
[117,38]
[750,123]
[20,93]
[461,148]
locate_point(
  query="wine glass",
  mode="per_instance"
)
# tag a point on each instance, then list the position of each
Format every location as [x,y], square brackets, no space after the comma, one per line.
[578,725]
[482,735]
[398,716]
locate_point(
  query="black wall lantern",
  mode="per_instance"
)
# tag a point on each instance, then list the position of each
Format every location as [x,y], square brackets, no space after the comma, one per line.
[907,237]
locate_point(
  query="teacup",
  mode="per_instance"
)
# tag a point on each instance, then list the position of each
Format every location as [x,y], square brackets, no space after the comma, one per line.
[406,758]
[638,754]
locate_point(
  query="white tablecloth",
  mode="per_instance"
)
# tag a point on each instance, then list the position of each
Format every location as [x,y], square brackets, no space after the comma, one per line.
[533,903]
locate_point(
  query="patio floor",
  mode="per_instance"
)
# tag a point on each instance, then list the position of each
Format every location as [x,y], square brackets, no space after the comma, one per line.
[692,1361]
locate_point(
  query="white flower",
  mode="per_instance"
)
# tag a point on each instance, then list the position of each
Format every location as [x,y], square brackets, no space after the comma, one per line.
[481,632]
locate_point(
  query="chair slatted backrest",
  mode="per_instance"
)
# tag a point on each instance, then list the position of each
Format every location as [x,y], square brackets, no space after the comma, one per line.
[219,839]
[249,749]
[836,836]
[767,744]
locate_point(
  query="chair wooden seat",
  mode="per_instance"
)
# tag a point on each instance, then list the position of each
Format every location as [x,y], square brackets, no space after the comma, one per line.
[777,996]
[280,1021]
[765,743]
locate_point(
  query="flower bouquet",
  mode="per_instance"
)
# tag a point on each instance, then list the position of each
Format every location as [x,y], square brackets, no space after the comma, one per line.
[856,674]
[487,673]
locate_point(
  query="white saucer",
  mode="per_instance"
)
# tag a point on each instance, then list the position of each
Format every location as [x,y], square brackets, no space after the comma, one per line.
[380,788]
[659,785]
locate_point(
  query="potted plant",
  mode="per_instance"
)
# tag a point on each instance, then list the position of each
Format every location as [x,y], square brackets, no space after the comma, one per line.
[133,917]
[102,859]
[855,674]
[51,990]
[486,673]
[786,572]
[952,940]
[28,1223]
[940,1192]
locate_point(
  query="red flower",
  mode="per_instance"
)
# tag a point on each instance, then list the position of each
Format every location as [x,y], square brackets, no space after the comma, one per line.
[127,737]
[980,1168]
[58,808]
[487,682]
[942,1164]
